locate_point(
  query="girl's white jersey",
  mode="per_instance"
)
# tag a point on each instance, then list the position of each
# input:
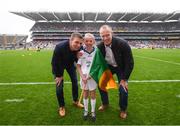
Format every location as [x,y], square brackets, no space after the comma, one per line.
[85,61]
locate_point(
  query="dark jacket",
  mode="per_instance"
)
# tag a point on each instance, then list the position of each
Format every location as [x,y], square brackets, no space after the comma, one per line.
[62,58]
[122,54]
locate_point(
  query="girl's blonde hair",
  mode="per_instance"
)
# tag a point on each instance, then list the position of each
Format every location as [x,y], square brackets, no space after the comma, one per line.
[89,35]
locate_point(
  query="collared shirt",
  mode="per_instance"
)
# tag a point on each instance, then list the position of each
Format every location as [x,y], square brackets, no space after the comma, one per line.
[110,56]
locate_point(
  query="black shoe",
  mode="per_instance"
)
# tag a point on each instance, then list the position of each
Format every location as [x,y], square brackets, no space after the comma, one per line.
[93,116]
[85,115]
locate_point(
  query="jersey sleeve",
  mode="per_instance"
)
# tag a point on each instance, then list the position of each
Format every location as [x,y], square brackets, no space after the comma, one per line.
[80,59]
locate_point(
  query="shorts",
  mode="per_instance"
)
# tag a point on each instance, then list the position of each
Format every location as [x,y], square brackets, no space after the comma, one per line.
[90,85]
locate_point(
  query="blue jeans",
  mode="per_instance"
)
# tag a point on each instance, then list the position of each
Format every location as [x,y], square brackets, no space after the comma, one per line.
[123,95]
[59,89]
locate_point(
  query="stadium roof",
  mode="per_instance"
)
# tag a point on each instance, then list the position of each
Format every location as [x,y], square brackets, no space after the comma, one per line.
[100,16]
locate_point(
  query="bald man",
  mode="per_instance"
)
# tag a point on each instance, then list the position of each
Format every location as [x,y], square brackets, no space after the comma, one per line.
[118,55]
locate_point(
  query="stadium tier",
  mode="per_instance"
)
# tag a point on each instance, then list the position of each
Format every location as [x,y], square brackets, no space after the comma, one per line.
[8,41]
[144,28]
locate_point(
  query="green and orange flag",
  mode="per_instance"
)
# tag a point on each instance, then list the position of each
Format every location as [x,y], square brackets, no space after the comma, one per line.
[100,72]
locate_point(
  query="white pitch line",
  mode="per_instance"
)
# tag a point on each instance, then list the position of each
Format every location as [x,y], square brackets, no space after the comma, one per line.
[14,100]
[155,59]
[30,83]
[153,81]
[178,96]
[68,82]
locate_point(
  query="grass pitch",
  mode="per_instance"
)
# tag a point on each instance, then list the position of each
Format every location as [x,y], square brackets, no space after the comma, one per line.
[149,103]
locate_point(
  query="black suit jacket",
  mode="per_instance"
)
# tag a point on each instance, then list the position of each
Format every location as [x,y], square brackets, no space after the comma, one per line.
[122,54]
[62,58]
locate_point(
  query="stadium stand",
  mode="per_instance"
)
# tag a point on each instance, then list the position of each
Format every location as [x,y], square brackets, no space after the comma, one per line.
[8,41]
[142,30]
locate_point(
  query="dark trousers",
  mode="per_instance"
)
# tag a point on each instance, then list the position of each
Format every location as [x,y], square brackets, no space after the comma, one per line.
[59,89]
[123,95]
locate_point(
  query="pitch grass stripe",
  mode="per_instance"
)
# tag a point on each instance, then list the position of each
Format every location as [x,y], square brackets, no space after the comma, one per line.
[68,82]
[155,59]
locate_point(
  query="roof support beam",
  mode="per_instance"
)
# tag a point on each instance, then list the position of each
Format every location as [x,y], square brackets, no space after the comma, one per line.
[69,16]
[55,16]
[82,16]
[170,16]
[27,16]
[108,17]
[42,16]
[135,17]
[147,17]
[96,16]
[122,16]
[162,17]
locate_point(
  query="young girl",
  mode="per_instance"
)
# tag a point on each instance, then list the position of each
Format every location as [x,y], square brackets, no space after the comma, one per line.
[88,85]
